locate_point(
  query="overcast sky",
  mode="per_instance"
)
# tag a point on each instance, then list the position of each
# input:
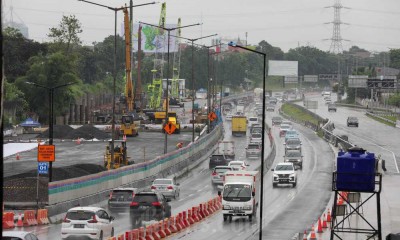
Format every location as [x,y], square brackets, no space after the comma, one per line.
[373,25]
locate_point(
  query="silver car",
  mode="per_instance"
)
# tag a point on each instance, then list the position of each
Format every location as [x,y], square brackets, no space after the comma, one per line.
[253,150]
[167,187]
[295,157]
[217,175]
[256,138]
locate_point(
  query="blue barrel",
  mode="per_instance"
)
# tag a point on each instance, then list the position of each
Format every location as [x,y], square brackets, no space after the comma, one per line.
[355,171]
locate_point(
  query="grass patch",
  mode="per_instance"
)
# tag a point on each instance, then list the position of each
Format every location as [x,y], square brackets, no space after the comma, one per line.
[383,121]
[298,114]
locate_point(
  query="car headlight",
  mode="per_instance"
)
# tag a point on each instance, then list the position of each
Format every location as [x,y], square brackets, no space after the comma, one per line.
[292,175]
[226,207]
[275,175]
[247,207]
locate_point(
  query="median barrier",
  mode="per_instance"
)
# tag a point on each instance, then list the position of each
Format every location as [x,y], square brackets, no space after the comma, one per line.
[42,217]
[172,227]
[149,235]
[154,231]
[190,217]
[8,220]
[161,230]
[29,218]
[142,233]
[166,227]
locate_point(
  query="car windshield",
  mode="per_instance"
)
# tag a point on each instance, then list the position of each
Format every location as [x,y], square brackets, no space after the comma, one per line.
[291,132]
[235,164]
[162,181]
[253,147]
[283,167]
[121,195]
[80,215]
[237,192]
[293,154]
[293,142]
[145,198]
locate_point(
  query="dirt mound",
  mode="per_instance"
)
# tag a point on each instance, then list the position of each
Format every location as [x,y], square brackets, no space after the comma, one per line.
[87,132]
[59,131]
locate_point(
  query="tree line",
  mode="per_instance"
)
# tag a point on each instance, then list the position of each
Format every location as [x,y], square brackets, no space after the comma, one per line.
[64,59]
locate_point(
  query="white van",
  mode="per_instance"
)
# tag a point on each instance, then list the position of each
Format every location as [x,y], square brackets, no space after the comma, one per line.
[252,120]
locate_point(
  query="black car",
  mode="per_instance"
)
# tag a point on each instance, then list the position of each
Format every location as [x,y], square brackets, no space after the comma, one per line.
[276,121]
[147,206]
[331,107]
[218,160]
[120,199]
[352,121]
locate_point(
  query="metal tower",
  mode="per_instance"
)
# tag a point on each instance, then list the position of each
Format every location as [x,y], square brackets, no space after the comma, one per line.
[336,44]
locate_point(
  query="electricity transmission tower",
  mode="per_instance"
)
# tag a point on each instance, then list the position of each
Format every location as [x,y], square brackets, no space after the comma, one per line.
[336,44]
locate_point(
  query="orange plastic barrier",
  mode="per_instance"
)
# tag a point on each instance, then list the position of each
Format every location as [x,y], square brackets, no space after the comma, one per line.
[135,234]
[172,227]
[161,231]
[195,215]
[42,217]
[149,235]
[166,227]
[29,218]
[111,238]
[8,220]
[154,230]
[190,216]
[129,235]
[142,233]
[121,237]
[185,220]
[178,222]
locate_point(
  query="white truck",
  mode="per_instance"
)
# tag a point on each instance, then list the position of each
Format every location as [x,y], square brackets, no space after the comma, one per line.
[240,194]
[240,109]
[226,148]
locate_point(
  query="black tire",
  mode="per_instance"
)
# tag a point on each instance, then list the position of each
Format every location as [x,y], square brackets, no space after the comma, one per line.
[294,184]
[112,232]
[101,235]
[225,217]
[250,217]
[274,185]
[230,218]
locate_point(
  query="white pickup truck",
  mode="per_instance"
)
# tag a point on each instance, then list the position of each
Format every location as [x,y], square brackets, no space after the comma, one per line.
[284,173]
[240,194]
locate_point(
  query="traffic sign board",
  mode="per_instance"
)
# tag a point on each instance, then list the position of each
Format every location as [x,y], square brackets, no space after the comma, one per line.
[43,167]
[170,128]
[212,116]
[46,153]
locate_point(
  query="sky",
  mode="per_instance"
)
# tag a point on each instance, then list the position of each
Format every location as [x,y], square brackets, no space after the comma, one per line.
[370,24]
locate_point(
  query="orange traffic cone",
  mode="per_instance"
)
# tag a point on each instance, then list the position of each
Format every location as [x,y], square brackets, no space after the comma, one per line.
[312,235]
[340,201]
[324,225]
[17,156]
[305,235]
[328,216]
[78,141]
[319,229]
[20,223]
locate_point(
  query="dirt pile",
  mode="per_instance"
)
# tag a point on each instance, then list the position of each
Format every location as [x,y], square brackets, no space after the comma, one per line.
[59,131]
[87,132]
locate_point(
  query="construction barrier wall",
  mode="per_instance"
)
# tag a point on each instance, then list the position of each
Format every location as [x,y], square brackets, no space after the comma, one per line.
[93,188]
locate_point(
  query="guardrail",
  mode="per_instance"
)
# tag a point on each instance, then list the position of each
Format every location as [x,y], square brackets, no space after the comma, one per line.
[368,113]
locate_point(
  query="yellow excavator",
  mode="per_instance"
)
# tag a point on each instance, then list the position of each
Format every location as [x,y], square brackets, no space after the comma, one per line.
[120,155]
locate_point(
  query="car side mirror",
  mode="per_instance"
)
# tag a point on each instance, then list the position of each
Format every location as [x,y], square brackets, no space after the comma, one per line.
[272,169]
[167,199]
[253,194]
[112,218]
[219,193]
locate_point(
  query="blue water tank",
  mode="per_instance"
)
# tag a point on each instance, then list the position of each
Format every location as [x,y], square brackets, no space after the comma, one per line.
[355,171]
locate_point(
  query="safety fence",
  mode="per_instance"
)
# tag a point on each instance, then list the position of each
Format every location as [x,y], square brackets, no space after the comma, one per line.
[29,218]
[174,224]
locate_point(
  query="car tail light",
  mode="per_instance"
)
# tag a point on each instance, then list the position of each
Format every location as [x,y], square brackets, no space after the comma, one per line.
[170,187]
[153,187]
[156,204]
[214,173]
[94,220]
[66,220]
[134,204]
[110,195]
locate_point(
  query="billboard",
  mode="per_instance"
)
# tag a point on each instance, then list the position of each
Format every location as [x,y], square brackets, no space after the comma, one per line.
[291,79]
[282,68]
[310,78]
[154,40]
[358,81]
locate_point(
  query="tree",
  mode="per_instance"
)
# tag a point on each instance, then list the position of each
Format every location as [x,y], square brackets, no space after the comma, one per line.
[17,51]
[394,58]
[66,35]
[52,70]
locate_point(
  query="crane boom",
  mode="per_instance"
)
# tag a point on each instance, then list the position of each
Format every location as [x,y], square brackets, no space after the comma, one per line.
[129,85]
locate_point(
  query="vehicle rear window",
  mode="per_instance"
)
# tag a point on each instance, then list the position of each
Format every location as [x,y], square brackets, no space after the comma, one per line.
[121,195]
[256,136]
[145,198]
[253,119]
[162,181]
[293,154]
[80,215]
[222,170]
[293,141]
[253,147]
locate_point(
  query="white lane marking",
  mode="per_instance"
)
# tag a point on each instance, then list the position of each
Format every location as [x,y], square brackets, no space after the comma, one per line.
[363,138]
[181,199]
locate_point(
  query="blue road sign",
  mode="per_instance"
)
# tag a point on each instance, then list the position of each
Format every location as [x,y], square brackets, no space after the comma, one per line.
[43,167]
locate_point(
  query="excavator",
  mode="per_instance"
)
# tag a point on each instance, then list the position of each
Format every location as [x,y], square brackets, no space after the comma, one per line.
[120,155]
[128,126]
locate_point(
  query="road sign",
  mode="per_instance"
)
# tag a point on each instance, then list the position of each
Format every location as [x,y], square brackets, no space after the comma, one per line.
[170,128]
[358,81]
[212,116]
[310,78]
[43,167]
[46,153]
[291,79]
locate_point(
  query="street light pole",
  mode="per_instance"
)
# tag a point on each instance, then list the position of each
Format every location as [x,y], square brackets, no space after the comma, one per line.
[262,135]
[192,40]
[167,89]
[115,62]
[51,117]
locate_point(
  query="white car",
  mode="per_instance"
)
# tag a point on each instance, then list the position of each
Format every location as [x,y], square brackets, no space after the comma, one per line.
[253,120]
[228,117]
[256,138]
[167,187]
[284,173]
[89,222]
[18,235]
[238,165]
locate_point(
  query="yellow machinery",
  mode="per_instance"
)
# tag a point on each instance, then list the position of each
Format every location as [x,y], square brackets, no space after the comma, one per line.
[128,126]
[172,117]
[120,155]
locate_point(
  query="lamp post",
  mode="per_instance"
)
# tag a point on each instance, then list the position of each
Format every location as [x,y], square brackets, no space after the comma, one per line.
[51,118]
[115,63]
[232,44]
[166,95]
[192,40]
